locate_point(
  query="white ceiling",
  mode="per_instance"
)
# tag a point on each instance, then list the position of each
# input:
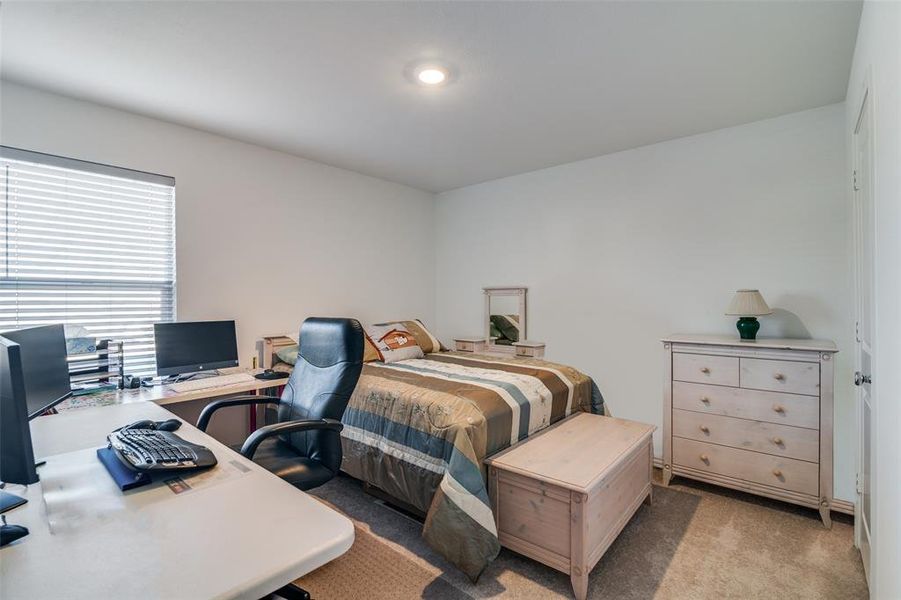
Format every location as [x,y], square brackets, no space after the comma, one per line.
[535,84]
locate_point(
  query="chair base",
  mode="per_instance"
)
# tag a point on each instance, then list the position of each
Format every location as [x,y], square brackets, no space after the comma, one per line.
[293,592]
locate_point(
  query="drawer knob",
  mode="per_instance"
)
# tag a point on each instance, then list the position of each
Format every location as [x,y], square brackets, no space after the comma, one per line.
[777,472]
[778,408]
[779,377]
[777,441]
[705,458]
[705,399]
[705,370]
[704,428]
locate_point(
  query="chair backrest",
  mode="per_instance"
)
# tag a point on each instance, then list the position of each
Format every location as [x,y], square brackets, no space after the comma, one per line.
[325,375]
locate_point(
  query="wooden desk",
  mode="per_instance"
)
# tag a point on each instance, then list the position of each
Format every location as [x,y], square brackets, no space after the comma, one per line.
[89,540]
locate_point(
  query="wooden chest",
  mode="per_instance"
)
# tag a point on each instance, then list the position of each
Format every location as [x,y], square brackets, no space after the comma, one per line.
[751,415]
[561,497]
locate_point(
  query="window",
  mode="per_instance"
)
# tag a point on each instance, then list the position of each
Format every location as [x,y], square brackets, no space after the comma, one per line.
[87,245]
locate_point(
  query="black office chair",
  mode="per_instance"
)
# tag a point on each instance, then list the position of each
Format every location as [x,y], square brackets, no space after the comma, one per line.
[304,446]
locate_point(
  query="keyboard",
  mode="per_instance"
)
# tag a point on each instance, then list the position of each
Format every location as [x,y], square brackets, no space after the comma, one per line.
[152,450]
[206,383]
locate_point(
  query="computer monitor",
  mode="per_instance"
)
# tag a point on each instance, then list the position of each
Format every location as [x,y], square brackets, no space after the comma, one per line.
[34,376]
[44,364]
[16,453]
[195,346]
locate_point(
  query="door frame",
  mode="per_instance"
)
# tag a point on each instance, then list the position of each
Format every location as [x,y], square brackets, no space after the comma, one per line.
[865,101]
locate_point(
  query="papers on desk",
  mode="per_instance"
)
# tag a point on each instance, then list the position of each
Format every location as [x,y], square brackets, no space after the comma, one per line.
[79,492]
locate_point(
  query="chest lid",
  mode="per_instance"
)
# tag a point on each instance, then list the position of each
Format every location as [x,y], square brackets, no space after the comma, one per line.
[576,452]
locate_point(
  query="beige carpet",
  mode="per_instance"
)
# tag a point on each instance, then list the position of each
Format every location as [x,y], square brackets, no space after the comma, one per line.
[694,542]
[372,569]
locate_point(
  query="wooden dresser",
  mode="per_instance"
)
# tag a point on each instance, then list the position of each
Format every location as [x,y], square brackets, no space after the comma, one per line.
[754,416]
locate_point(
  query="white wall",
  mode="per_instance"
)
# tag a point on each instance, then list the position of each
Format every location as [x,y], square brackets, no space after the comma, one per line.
[617,251]
[263,237]
[620,250]
[878,54]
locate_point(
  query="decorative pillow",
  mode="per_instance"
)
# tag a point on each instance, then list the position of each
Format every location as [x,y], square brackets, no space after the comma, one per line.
[428,342]
[288,354]
[393,342]
[370,352]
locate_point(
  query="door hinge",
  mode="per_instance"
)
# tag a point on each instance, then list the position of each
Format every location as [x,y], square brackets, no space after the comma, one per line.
[857,484]
[857,331]
[854,181]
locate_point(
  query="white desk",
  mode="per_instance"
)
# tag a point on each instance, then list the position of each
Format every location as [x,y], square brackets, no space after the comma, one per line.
[184,403]
[241,537]
[164,394]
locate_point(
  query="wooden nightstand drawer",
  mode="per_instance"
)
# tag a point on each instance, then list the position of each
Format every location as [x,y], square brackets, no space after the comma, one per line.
[769,438]
[773,407]
[781,376]
[776,471]
[469,344]
[702,368]
[529,349]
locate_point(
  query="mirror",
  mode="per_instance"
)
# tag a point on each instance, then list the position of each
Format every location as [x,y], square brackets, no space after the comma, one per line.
[505,317]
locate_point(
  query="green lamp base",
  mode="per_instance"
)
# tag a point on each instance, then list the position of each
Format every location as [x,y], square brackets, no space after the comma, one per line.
[748,327]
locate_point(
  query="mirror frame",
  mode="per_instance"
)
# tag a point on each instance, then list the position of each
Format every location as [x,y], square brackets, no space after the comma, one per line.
[521,292]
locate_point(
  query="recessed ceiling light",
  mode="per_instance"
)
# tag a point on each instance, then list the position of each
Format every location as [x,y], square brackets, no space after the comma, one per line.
[431,75]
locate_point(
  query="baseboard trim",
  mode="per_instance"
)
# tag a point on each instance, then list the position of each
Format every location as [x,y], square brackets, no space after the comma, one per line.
[841,506]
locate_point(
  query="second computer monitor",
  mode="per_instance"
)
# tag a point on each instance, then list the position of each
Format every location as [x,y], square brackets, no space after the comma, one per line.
[44,364]
[195,346]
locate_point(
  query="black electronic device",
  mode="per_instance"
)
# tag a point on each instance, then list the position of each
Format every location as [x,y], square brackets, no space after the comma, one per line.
[270,374]
[34,376]
[11,533]
[189,347]
[44,365]
[167,425]
[153,450]
[10,501]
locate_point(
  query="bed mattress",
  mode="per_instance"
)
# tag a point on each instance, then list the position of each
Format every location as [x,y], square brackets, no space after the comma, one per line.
[419,430]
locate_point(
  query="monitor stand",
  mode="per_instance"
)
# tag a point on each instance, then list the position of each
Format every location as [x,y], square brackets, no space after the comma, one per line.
[9,501]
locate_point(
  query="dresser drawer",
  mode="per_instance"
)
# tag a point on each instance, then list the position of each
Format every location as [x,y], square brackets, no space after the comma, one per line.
[776,471]
[703,368]
[781,376]
[532,351]
[781,440]
[772,407]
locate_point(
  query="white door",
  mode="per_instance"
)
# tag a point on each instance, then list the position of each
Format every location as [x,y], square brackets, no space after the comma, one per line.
[864,254]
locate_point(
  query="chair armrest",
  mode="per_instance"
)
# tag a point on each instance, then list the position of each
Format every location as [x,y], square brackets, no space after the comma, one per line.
[256,438]
[207,413]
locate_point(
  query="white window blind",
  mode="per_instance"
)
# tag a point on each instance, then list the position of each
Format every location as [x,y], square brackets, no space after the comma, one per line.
[87,245]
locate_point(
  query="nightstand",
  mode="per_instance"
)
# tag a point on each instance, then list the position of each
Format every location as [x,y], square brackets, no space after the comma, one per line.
[529,349]
[470,344]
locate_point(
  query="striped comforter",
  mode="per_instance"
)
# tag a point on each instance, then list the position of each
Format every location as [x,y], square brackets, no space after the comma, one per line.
[419,429]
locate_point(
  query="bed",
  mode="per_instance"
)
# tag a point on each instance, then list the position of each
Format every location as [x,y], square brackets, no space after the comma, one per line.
[419,430]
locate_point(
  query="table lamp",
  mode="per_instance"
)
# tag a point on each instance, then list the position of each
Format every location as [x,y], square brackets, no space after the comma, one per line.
[747,305]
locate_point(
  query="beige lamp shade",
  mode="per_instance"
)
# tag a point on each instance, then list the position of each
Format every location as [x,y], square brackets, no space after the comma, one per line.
[748,303]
